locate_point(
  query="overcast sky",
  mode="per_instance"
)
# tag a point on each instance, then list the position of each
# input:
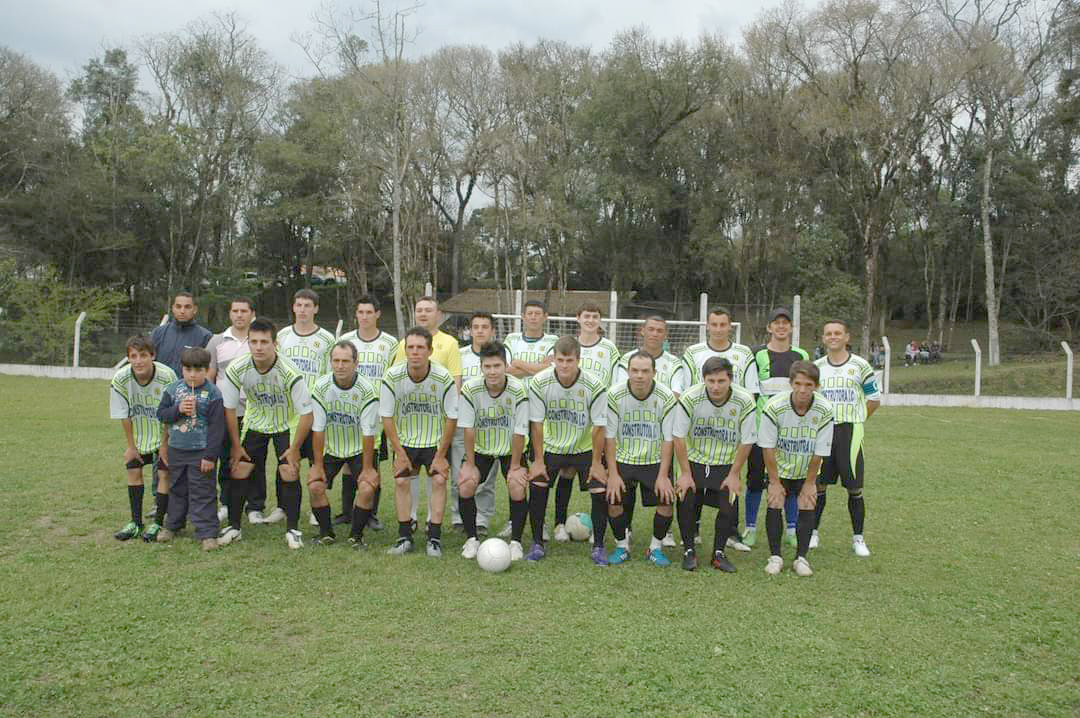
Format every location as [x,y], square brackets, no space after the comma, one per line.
[64,34]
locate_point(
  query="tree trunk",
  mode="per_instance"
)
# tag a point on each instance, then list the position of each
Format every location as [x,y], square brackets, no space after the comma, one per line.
[395,221]
[871,246]
[993,351]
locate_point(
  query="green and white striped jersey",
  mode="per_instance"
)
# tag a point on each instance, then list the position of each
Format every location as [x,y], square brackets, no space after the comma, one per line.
[310,353]
[570,412]
[272,401]
[530,350]
[600,359]
[848,386]
[670,371]
[640,426]
[419,408]
[713,432]
[374,356]
[494,419]
[695,357]
[128,399]
[797,439]
[346,415]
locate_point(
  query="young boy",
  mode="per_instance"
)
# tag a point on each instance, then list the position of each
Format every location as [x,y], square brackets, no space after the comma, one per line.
[193,411]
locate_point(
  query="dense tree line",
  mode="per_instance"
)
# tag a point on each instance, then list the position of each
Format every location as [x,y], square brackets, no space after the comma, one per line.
[885,159]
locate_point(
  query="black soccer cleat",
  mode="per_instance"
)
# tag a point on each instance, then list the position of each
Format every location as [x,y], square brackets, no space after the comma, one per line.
[689,560]
[721,563]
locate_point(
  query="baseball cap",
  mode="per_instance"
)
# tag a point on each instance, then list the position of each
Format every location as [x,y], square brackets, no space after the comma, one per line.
[780,312]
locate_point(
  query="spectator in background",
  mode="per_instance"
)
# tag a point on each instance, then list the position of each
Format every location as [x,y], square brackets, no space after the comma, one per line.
[924,353]
[179,333]
[911,353]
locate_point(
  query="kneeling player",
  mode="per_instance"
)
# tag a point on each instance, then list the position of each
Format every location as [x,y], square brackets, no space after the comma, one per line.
[134,395]
[795,434]
[714,431]
[494,415]
[639,424]
[567,414]
[345,417]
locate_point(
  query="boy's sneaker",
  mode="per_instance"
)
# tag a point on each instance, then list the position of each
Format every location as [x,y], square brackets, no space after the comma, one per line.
[560,533]
[434,548]
[689,560]
[535,553]
[294,539]
[619,555]
[749,536]
[736,543]
[858,545]
[774,565]
[325,540]
[668,540]
[599,556]
[342,519]
[222,513]
[815,540]
[802,567]
[164,535]
[229,535]
[209,544]
[721,563]
[151,532]
[516,551]
[401,547]
[256,517]
[472,545]
[278,514]
[312,521]
[506,532]
[130,531]
[357,543]
[373,524]
[656,557]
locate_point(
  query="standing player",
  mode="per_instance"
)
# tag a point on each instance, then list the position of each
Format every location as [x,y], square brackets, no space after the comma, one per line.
[179,333]
[223,348]
[134,395]
[767,376]
[849,383]
[564,402]
[418,406]
[344,418]
[795,434]
[639,423]
[275,397]
[375,351]
[715,427]
[494,418]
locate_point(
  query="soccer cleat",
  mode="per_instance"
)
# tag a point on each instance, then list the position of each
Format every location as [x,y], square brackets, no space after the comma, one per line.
[737,544]
[373,524]
[357,543]
[229,535]
[481,531]
[342,519]
[434,548]
[790,539]
[815,540]
[721,563]
[256,517]
[689,560]
[294,539]
[325,540]
[697,539]
[802,567]
[401,547]
[278,514]
[151,532]
[599,556]
[222,513]
[656,557]
[547,536]
[668,540]
[458,527]
[516,551]
[164,536]
[412,526]
[506,532]
[858,545]
[130,531]
[209,544]
[312,520]
[535,553]
[472,545]
[560,533]
[619,555]
[774,565]
[749,537]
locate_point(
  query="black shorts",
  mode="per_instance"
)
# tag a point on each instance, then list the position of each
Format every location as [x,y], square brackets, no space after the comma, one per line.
[643,474]
[151,458]
[846,460]
[420,459]
[382,451]
[757,479]
[792,487]
[485,462]
[707,480]
[256,444]
[579,463]
[333,465]
[306,451]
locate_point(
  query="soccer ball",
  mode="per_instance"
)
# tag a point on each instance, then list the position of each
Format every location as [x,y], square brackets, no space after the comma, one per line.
[579,526]
[493,555]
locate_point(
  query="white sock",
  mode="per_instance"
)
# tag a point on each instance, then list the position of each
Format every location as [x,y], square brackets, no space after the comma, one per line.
[655,543]
[790,531]
[625,543]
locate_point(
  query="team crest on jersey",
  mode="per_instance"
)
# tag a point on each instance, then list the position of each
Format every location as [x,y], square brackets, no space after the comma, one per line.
[600,354]
[581,392]
[731,412]
[317,344]
[851,371]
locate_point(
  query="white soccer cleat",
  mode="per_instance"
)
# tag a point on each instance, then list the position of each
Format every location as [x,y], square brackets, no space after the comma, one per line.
[222,513]
[294,539]
[516,551]
[472,545]
[229,535]
[312,520]
[560,533]
[256,517]
[735,543]
[547,536]
[278,514]
[858,545]
[774,565]
[802,567]
[507,531]
[669,540]
[815,540]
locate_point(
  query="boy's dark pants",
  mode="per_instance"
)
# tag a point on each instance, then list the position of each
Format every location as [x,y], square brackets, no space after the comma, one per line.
[191,492]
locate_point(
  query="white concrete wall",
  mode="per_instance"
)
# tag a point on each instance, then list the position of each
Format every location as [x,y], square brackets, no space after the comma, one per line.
[982,402]
[58,372]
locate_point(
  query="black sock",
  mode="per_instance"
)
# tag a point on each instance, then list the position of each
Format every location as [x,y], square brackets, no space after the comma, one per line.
[697,517]
[404,529]
[161,506]
[618,526]
[857,508]
[290,497]
[687,523]
[804,526]
[819,508]
[518,511]
[599,518]
[733,522]
[348,495]
[375,501]
[467,509]
[359,521]
[235,494]
[564,489]
[135,497]
[660,526]
[322,515]
[434,532]
[628,504]
[774,527]
[538,496]
[723,528]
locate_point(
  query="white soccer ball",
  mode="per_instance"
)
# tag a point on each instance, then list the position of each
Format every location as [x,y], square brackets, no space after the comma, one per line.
[579,526]
[493,555]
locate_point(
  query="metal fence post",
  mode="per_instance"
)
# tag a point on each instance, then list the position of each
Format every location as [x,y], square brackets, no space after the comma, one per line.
[613,314]
[887,372]
[78,337]
[796,320]
[978,367]
[703,315]
[1068,369]
[337,332]
[517,310]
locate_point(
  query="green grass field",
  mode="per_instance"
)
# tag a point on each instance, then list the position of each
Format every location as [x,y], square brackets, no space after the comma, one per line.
[1037,375]
[968,606]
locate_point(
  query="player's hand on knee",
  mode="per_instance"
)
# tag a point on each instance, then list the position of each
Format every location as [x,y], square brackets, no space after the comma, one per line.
[776,495]
[206,465]
[615,488]
[469,474]
[808,496]
[290,456]
[316,474]
[664,490]
[289,472]
[402,465]
[440,466]
[131,454]
[537,471]
[369,477]
[732,484]
[684,486]
[597,472]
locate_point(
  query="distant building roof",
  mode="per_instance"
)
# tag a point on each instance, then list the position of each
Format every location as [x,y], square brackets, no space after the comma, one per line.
[502,301]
